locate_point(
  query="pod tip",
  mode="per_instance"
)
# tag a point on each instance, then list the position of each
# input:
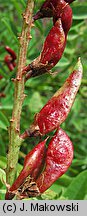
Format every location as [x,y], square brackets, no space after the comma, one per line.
[79,66]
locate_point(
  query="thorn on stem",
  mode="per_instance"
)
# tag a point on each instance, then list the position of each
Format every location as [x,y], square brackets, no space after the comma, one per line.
[11,120]
[18,78]
[13,80]
[32,25]
[17,130]
[19,37]
[30,37]
[24,16]
[24,95]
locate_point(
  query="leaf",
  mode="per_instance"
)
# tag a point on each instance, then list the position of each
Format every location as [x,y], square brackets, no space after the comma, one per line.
[38,24]
[64,180]
[80,162]
[63,62]
[35,102]
[6,107]
[49,195]
[2,194]
[80,11]
[2,71]
[76,25]
[23,3]
[4,123]
[3,161]
[2,176]
[69,51]
[17,7]
[7,24]
[78,187]
[72,36]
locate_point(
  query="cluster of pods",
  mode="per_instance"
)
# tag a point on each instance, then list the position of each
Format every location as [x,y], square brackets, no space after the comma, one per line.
[1,93]
[55,42]
[9,60]
[44,165]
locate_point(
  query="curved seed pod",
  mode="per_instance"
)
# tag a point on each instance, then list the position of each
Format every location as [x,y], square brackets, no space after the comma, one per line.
[48,8]
[1,77]
[54,45]
[33,165]
[52,51]
[55,42]
[9,62]
[63,11]
[58,159]
[2,94]
[11,52]
[58,107]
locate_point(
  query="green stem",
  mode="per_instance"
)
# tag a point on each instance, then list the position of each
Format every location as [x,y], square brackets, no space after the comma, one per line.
[14,129]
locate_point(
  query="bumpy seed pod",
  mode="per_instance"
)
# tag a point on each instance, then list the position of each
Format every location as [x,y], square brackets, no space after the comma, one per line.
[52,51]
[55,42]
[1,77]
[2,94]
[58,107]
[33,165]
[9,62]
[11,52]
[10,59]
[63,11]
[54,45]
[58,159]
[48,8]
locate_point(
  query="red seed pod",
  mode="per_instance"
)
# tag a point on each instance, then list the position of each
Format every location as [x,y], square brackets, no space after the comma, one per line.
[9,62]
[54,45]
[33,165]
[1,77]
[52,51]
[48,8]
[63,11]
[2,94]
[11,52]
[55,42]
[58,107]
[58,159]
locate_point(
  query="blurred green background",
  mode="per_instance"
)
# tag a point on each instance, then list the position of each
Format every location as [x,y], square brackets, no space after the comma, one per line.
[73,184]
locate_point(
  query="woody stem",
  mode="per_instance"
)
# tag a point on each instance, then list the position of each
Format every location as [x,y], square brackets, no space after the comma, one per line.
[14,129]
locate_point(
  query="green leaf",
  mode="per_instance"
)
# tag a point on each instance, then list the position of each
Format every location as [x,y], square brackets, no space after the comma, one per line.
[64,180]
[17,7]
[35,103]
[38,24]
[2,176]
[23,3]
[3,161]
[80,162]
[80,11]
[2,194]
[72,36]
[4,123]
[63,62]
[78,187]
[49,195]
[7,24]
[2,71]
